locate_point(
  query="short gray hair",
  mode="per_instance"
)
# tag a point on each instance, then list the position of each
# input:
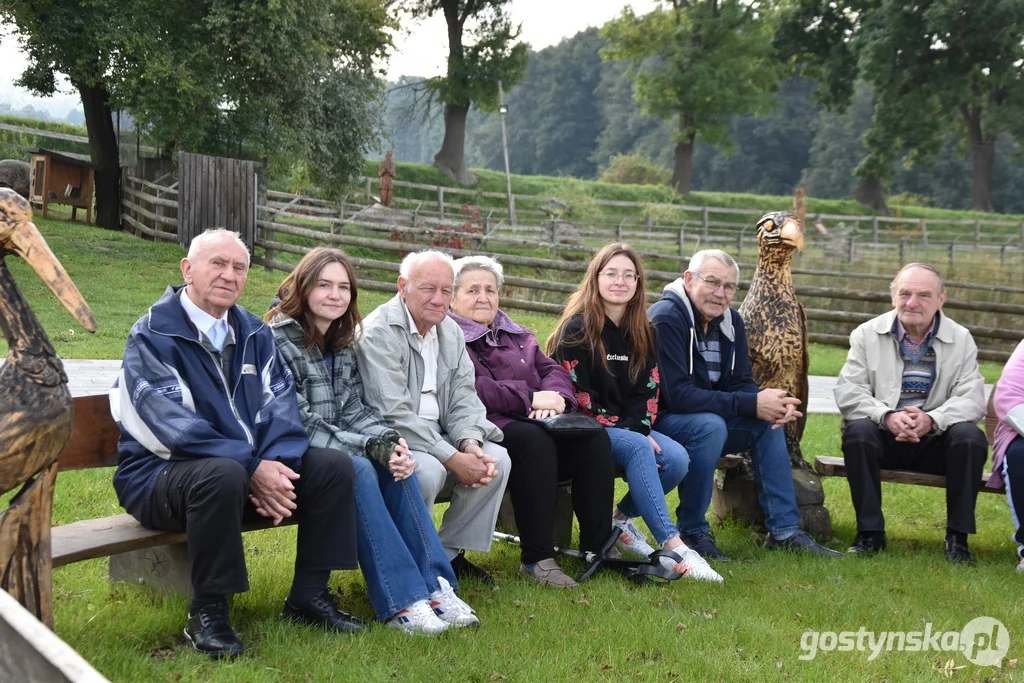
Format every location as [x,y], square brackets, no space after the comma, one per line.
[699,257]
[419,257]
[923,266]
[200,242]
[470,263]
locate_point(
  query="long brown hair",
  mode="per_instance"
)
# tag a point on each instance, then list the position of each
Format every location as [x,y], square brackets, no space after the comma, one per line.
[586,301]
[294,296]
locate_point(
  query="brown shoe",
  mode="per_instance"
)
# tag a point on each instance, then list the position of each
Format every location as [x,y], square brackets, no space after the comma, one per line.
[548,573]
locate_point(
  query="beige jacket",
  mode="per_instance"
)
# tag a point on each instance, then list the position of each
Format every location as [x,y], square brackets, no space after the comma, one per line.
[870,383]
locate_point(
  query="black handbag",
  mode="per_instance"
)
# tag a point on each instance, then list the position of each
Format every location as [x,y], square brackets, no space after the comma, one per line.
[566,424]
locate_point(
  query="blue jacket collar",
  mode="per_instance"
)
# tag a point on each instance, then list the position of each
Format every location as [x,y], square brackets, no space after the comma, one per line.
[167,317]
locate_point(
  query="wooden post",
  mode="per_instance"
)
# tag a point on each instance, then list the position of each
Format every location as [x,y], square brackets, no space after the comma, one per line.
[739,247]
[554,238]
[649,222]
[1002,256]
[704,221]
[851,250]
[440,201]
[924,232]
[682,241]
[874,230]
[977,234]
[368,191]
[903,251]
[952,253]
[618,231]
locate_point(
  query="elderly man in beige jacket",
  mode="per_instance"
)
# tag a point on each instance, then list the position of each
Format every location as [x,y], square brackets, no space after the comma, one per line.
[911,396]
[416,372]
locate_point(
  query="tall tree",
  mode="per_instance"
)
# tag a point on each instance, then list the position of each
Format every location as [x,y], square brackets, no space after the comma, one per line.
[700,62]
[482,49]
[292,79]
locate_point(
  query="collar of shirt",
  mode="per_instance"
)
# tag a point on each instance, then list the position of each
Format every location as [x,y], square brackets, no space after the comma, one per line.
[423,338]
[900,332]
[200,318]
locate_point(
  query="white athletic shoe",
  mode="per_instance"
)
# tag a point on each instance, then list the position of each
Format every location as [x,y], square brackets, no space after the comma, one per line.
[691,559]
[631,540]
[418,618]
[450,608]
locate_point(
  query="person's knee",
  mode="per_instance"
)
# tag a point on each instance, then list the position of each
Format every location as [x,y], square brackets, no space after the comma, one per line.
[965,432]
[503,463]
[861,431]
[1015,453]
[430,475]
[225,475]
[363,470]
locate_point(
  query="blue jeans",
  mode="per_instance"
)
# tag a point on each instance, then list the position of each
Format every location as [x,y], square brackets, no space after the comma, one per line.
[399,551]
[650,476]
[706,436]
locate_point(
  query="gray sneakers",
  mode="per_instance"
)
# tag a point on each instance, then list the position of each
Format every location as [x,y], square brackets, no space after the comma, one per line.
[548,573]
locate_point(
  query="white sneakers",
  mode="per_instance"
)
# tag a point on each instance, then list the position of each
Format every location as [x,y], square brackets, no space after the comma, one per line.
[631,540]
[690,559]
[450,608]
[418,618]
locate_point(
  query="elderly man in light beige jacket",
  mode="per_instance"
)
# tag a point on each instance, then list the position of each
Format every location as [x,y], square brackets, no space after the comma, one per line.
[911,396]
[416,372]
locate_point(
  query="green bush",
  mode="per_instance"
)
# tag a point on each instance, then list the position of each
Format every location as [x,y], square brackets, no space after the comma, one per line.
[634,169]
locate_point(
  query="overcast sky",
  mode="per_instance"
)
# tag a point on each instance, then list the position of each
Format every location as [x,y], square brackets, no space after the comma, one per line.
[421,47]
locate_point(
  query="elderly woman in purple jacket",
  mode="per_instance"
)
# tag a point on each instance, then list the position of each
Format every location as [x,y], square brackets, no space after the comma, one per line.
[515,378]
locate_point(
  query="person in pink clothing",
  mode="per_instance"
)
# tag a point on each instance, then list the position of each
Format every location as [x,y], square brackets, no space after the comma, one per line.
[1008,445]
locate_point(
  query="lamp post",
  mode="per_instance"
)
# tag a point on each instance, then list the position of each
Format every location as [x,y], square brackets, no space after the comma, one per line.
[502,110]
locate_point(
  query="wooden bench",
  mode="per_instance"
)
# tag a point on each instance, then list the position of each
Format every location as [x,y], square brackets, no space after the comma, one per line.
[160,558]
[829,466]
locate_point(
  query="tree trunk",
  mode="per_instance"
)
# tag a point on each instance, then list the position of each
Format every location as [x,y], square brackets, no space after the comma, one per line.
[871,193]
[451,158]
[682,173]
[983,157]
[105,154]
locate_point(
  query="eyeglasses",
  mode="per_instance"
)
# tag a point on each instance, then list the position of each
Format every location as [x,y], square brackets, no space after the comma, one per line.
[612,275]
[714,283]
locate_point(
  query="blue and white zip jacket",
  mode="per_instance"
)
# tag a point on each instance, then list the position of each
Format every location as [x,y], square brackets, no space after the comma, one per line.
[685,384]
[171,401]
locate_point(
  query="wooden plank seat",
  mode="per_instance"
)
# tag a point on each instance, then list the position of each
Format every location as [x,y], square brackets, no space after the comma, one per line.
[94,444]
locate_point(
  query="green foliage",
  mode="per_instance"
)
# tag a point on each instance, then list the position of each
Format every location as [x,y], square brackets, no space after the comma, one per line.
[634,169]
[482,48]
[700,63]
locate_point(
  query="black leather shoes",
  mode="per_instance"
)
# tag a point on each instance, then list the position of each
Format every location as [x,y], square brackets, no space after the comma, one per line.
[464,569]
[210,632]
[323,611]
[868,543]
[801,541]
[957,551]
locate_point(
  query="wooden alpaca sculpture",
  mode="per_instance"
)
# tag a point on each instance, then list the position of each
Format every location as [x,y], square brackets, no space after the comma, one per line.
[35,410]
[775,320]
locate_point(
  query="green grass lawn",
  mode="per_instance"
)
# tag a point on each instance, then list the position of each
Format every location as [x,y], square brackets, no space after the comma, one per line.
[748,629]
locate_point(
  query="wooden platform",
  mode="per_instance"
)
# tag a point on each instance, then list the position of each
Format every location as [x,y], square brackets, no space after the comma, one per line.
[828,466]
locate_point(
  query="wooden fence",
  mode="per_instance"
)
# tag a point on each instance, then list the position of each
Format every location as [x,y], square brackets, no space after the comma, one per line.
[288,225]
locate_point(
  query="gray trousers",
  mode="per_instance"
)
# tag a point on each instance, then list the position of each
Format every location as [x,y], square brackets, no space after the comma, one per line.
[469,520]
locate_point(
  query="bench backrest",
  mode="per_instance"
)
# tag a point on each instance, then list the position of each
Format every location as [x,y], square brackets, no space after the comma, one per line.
[94,435]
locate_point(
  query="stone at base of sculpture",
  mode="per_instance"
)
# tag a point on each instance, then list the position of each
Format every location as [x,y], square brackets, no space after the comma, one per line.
[166,568]
[735,497]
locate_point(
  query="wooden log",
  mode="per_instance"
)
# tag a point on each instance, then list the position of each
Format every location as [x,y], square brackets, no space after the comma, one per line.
[31,652]
[828,466]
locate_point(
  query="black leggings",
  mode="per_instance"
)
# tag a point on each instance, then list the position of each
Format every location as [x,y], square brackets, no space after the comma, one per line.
[539,462]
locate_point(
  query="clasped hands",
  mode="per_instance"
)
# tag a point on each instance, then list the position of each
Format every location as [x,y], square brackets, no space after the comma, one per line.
[546,404]
[777,406]
[471,466]
[909,425]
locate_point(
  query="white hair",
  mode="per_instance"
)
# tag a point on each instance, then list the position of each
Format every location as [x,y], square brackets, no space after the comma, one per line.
[467,264]
[699,257]
[417,258]
[200,242]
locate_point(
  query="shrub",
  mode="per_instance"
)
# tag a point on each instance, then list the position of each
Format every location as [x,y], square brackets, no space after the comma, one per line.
[634,169]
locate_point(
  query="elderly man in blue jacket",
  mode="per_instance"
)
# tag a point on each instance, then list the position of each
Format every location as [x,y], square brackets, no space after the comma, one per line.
[211,438]
[710,404]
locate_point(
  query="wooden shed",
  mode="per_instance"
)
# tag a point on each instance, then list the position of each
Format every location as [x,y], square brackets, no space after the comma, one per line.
[62,178]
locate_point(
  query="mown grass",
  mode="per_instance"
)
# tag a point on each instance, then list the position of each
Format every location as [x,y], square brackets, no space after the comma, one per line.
[748,629]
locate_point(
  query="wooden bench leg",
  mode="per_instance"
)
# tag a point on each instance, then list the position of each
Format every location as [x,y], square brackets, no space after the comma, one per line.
[562,525]
[166,568]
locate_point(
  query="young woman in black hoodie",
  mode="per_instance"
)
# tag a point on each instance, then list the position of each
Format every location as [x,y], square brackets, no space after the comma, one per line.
[607,344]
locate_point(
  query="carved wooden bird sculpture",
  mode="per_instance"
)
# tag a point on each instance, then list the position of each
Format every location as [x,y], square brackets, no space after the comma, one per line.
[775,320]
[35,410]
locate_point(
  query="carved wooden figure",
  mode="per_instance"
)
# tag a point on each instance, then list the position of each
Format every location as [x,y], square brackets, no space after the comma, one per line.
[35,410]
[386,172]
[775,320]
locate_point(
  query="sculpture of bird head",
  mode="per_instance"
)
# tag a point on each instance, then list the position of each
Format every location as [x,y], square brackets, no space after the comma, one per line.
[19,236]
[781,228]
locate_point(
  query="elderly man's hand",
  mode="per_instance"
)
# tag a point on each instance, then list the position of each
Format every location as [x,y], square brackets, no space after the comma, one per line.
[271,490]
[472,467]
[774,405]
[901,424]
[922,422]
